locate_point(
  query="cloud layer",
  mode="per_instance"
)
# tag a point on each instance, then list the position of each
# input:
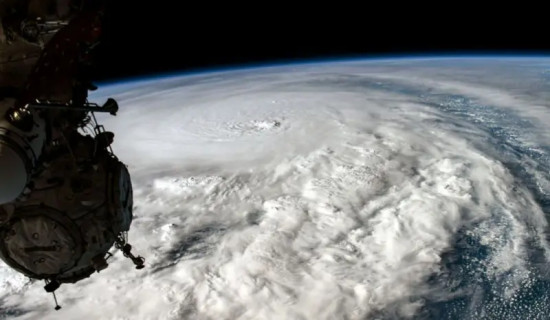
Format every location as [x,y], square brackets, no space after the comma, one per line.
[378,190]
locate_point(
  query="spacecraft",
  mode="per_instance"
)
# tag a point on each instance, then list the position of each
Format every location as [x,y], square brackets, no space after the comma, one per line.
[65,198]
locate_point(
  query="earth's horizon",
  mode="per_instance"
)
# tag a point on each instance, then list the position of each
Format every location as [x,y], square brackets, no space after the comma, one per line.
[400,188]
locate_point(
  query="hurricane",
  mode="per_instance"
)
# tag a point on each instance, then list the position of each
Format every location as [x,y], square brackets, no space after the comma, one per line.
[411,188]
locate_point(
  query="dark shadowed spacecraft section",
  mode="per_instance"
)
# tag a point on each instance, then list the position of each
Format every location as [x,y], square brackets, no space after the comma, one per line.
[69,215]
[65,198]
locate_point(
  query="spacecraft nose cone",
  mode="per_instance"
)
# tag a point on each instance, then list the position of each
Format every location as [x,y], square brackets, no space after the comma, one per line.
[13,174]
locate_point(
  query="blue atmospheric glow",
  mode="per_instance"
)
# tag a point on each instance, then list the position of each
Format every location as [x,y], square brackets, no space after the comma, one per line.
[527,55]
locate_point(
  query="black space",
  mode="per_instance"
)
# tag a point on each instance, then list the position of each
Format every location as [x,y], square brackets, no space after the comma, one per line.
[143,38]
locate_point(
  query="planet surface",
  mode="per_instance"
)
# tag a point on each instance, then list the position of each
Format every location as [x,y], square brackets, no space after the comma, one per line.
[360,189]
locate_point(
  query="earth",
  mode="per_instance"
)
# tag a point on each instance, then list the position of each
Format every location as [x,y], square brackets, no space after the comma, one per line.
[413,188]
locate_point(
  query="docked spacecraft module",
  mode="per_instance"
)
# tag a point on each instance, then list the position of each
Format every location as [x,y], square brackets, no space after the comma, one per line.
[65,198]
